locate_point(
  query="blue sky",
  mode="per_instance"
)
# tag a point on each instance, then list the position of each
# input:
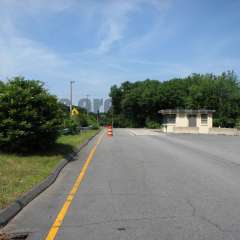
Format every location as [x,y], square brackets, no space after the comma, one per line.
[104,42]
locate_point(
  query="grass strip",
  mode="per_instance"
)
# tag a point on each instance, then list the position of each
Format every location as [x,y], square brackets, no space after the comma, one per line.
[20,173]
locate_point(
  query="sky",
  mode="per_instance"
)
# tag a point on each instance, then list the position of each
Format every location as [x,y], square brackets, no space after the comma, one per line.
[99,43]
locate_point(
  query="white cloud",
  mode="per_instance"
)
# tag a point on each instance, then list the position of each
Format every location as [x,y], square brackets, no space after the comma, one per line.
[36,6]
[116,16]
[115,21]
[20,55]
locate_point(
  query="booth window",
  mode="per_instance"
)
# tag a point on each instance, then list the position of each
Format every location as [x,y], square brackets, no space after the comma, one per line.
[169,118]
[204,118]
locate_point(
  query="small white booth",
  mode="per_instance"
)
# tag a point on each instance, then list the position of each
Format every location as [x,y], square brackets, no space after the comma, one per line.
[187,121]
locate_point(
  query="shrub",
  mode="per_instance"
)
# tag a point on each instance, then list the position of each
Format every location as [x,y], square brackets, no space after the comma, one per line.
[92,122]
[82,119]
[152,124]
[238,123]
[1,86]
[120,121]
[94,126]
[71,125]
[30,117]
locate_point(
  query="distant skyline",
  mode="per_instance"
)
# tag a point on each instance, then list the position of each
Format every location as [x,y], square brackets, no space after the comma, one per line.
[101,43]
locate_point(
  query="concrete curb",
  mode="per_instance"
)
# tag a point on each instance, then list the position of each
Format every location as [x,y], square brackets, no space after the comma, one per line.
[13,209]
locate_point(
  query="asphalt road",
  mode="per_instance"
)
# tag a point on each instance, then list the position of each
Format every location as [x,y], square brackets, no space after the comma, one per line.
[144,185]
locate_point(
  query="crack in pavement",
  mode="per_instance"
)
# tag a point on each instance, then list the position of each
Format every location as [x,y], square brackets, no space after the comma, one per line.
[119,220]
[205,219]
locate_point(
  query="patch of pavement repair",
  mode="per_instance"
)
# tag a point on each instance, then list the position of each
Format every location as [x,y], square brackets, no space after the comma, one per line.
[13,209]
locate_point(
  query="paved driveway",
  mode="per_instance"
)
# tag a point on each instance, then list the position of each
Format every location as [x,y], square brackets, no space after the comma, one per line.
[146,185]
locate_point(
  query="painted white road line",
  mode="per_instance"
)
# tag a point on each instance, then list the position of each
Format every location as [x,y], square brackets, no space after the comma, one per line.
[143,132]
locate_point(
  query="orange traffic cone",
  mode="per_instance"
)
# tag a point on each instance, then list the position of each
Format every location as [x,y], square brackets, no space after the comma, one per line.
[110,131]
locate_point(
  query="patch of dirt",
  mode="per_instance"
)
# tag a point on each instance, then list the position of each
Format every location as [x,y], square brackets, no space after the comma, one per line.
[21,236]
[3,236]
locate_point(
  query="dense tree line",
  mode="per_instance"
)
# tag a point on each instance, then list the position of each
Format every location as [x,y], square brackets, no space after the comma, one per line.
[137,104]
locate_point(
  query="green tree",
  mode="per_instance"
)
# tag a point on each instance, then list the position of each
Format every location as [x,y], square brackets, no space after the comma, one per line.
[136,104]
[30,118]
[1,85]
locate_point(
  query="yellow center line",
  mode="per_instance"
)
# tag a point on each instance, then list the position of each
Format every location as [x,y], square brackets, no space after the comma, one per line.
[61,215]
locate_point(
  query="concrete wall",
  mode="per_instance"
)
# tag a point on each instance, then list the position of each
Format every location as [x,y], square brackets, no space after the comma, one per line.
[186,130]
[210,120]
[225,131]
[202,130]
[181,120]
[168,128]
[198,120]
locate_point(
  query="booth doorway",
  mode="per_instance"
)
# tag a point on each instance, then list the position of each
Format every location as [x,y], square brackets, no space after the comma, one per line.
[192,120]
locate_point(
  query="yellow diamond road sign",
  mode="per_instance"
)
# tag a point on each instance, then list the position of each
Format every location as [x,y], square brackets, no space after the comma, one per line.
[75,112]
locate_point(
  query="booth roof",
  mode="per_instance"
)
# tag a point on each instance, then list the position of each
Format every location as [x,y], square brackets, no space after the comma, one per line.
[189,111]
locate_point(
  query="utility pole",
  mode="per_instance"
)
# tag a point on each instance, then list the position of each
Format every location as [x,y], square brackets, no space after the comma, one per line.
[71,95]
[98,115]
[87,95]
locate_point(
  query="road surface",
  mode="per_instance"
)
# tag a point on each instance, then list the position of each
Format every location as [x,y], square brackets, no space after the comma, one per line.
[144,185]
